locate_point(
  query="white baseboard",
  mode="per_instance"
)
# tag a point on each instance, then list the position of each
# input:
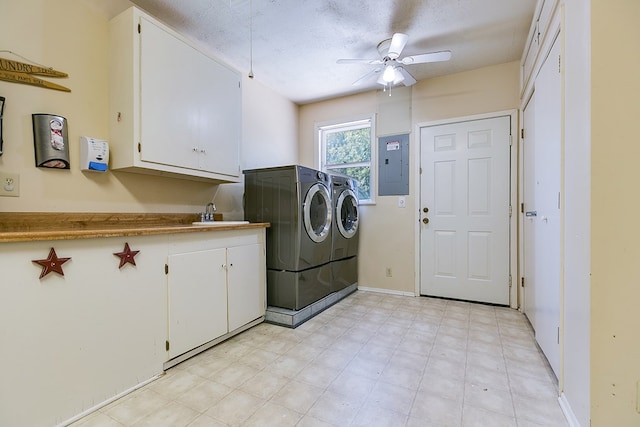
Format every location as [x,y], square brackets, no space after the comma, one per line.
[568,413]
[108,401]
[386,291]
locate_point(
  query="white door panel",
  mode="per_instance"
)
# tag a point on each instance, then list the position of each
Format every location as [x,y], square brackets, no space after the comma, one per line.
[547,196]
[529,264]
[465,187]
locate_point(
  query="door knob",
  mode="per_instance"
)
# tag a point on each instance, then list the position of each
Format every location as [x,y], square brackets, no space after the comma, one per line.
[425,210]
[425,220]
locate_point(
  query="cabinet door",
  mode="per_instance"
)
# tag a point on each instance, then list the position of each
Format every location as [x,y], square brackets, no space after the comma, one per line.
[219,123]
[197,299]
[190,105]
[246,284]
[168,114]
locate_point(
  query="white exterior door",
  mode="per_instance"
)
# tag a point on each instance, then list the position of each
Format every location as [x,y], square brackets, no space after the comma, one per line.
[464,196]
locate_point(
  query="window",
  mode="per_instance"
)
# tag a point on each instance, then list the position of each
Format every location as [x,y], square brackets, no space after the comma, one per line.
[347,148]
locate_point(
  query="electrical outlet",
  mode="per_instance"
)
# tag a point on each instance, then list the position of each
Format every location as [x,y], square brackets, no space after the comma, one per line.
[389,272]
[9,184]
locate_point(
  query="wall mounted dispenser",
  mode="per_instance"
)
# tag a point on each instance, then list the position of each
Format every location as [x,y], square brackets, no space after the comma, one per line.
[94,154]
[50,141]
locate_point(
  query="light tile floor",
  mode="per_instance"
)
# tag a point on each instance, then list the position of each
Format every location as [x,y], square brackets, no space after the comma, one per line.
[370,360]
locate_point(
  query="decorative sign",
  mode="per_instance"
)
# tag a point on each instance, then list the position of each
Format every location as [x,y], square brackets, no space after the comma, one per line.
[126,256]
[20,72]
[52,263]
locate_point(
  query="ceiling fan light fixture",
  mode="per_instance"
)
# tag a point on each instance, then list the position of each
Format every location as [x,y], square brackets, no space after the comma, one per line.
[389,74]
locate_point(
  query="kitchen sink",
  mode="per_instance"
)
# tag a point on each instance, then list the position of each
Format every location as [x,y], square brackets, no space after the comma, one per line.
[219,223]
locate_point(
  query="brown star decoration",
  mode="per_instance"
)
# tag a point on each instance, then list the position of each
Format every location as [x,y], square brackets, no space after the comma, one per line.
[126,256]
[52,263]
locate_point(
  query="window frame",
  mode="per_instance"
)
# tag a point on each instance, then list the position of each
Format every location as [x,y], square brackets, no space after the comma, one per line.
[344,125]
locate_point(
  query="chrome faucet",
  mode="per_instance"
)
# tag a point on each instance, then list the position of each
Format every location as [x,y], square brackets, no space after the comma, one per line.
[210,209]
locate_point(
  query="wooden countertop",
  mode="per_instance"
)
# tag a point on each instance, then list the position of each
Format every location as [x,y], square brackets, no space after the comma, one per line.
[39,226]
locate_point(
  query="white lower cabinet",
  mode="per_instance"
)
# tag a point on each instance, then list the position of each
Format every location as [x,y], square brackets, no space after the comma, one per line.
[212,293]
[245,300]
[197,299]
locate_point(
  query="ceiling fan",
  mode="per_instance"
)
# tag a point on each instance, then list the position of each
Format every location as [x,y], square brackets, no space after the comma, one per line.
[390,67]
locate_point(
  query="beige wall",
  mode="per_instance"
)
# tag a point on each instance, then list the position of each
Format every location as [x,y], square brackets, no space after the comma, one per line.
[71,36]
[615,277]
[387,232]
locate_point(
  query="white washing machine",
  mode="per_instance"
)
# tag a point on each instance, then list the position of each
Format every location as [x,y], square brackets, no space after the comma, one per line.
[344,246]
[296,200]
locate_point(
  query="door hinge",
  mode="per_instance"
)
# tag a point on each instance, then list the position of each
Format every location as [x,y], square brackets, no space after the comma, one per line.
[510,281]
[166,345]
[522,133]
[558,334]
[139,147]
[522,282]
[166,269]
[559,63]
[521,207]
[510,211]
[139,28]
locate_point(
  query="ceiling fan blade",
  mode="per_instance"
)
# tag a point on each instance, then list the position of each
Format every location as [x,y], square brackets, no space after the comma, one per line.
[444,55]
[359,61]
[367,76]
[408,78]
[398,42]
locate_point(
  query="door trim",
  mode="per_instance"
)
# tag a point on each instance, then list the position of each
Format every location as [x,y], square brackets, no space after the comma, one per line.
[513,194]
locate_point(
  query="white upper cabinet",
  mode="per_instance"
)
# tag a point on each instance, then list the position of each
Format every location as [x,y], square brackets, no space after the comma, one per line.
[173,109]
[542,33]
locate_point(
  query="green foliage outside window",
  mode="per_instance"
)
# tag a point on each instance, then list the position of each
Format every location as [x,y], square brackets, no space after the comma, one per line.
[346,151]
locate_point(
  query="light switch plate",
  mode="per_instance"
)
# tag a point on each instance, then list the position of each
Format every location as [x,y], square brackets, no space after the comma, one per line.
[9,184]
[402,202]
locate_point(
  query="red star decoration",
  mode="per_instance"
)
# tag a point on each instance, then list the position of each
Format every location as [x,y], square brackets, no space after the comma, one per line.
[126,256]
[52,263]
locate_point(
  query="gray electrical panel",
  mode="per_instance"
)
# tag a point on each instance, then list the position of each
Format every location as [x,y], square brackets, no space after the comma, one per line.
[393,165]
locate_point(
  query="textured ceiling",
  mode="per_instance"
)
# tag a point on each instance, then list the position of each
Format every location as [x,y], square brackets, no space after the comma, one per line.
[296,42]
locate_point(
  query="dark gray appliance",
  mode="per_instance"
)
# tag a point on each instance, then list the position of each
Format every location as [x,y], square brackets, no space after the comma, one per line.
[296,200]
[344,247]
